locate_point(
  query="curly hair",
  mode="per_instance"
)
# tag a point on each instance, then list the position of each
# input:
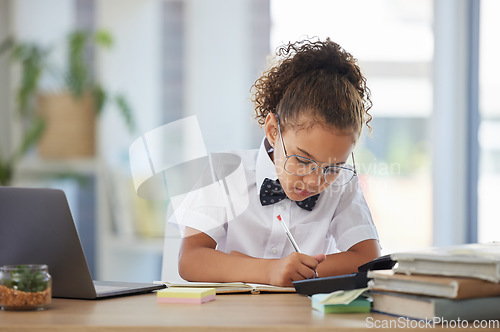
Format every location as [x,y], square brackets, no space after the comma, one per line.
[316,78]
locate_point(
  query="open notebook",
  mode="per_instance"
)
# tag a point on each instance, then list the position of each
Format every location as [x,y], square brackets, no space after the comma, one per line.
[231,287]
[36,227]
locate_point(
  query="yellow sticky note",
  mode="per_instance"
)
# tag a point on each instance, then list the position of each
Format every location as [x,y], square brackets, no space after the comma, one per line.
[186,295]
[186,292]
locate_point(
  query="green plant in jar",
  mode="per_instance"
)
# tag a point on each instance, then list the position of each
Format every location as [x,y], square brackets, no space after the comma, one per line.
[25,287]
[27,280]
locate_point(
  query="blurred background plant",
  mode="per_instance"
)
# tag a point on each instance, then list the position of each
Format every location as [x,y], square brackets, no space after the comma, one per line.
[32,61]
[79,79]
[76,79]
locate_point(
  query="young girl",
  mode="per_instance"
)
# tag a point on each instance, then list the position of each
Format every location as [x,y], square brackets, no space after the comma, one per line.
[313,105]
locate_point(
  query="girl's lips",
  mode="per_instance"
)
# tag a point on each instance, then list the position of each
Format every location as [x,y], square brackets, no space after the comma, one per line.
[302,192]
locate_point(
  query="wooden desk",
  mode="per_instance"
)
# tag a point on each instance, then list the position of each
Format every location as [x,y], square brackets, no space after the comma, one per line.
[270,312]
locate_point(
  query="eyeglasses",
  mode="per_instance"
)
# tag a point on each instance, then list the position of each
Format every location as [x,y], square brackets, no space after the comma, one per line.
[337,175]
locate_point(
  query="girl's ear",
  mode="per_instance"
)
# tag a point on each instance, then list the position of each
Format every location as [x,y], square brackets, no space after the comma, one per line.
[271,128]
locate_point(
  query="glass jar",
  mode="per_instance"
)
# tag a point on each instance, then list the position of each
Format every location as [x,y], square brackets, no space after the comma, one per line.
[25,287]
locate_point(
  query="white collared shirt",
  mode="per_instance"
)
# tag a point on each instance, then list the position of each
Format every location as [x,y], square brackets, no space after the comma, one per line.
[339,220]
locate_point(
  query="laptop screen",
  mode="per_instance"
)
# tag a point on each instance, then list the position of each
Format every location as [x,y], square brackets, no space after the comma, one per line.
[36,227]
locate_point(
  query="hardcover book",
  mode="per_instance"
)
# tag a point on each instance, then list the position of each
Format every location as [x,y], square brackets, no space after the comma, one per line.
[427,307]
[440,286]
[478,260]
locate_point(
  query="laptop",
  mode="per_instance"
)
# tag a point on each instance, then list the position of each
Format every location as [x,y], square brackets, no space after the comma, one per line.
[36,227]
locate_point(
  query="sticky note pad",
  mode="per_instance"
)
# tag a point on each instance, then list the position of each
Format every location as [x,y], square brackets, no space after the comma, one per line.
[360,304]
[185,295]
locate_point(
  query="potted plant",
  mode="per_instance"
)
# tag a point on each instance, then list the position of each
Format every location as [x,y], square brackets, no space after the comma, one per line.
[69,114]
[53,120]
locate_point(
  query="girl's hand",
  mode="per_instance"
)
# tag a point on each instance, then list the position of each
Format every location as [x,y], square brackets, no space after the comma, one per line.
[294,267]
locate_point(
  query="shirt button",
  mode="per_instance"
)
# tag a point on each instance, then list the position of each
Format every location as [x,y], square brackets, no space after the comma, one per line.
[274,251]
[283,207]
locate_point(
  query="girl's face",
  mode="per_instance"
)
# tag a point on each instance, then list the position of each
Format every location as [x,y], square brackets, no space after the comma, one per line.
[323,144]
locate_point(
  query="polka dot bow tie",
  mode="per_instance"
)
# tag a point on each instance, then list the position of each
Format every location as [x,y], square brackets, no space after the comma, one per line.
[271,192]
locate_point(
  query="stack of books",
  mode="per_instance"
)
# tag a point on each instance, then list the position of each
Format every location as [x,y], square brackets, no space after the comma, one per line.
[448,283]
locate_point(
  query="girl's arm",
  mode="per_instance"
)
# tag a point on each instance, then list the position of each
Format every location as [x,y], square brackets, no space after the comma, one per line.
[199,261]
[348,261]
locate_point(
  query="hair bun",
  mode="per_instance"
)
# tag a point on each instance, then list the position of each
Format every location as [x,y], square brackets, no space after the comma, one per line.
[325,56]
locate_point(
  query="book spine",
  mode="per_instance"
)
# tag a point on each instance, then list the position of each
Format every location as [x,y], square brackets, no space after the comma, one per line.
[482,270]
[470,309]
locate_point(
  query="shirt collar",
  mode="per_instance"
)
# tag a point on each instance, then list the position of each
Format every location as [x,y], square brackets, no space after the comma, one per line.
[264,167]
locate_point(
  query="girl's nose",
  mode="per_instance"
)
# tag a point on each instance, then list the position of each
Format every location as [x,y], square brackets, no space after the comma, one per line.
[315,178]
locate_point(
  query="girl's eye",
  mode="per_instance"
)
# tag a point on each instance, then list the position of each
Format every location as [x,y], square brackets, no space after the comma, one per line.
[302,160]
[332,170]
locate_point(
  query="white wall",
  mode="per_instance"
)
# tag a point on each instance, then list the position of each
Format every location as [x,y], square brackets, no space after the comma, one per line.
[218,71]
[131,67]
